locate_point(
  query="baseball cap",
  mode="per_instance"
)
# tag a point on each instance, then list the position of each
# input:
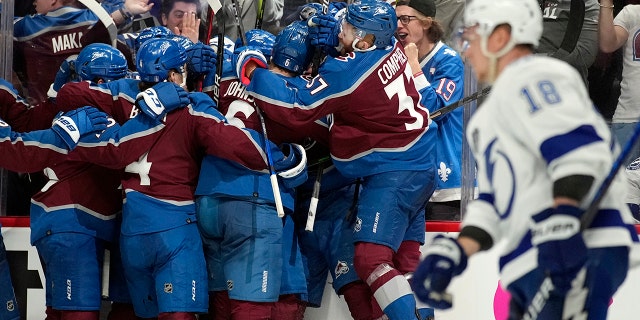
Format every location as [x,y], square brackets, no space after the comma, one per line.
[426,7]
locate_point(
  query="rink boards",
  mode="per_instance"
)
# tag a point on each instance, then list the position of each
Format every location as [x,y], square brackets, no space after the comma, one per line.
[476,292]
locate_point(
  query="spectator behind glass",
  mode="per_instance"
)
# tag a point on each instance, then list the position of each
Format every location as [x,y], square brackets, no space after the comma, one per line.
[449,13]
[248,14]
[570,32]
[439,73]
[53,34]
[614,34]
[181,17]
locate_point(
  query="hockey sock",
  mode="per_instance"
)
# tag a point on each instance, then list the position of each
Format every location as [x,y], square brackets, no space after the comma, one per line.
[79,315]
[219,305]
[121,311]
[358,297]
[289,307]
[373,262]
[242,310]
[53,314]
[176,316]
[407,258]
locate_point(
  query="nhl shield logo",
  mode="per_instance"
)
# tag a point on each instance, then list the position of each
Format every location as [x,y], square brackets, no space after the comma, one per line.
[341,268]
[229,285]
[358,226]
[168,288]
[10,305]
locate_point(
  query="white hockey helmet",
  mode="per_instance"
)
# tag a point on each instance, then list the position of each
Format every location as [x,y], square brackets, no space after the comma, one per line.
[524,17]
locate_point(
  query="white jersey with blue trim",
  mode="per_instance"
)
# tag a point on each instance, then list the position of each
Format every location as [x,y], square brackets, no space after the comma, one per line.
[538,125]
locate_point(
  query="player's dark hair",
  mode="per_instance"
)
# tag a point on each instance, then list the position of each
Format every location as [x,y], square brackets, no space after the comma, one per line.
[167,5]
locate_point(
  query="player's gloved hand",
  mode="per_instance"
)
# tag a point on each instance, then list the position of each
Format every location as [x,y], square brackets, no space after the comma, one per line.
[161,99]
[246,60]
[292,169]
[323,31]
[444,259]
[66,73]
[309,10]
[335,6]
[201,59]
[73,125]
[561,249]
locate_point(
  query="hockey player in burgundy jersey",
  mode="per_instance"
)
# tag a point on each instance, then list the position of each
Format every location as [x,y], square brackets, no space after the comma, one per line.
[228,195]
[42,41]
[159,210]
[377,133]
[80,205]
[33,151]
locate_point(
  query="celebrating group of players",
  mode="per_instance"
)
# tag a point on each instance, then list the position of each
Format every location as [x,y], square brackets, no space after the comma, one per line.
[305,152]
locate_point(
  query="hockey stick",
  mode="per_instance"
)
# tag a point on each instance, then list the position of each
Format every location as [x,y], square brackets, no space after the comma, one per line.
[106,270]
[472,97]
[541,296]
[272,171]
[260,15]
[236,14]
[104,17]
[274,178]
[315,196]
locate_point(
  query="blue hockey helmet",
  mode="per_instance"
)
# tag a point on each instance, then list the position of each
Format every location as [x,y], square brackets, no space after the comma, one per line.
[150,33]
[157,57]
[262,40]
[99,60]
[374,17]
[292,49]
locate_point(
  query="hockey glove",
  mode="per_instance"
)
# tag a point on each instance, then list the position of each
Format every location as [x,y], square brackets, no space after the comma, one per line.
[323,32]
[66,73]
[444,259]
[201,59]
[561,249]
[246,59]
[78,123]
[161,99]
[292,169]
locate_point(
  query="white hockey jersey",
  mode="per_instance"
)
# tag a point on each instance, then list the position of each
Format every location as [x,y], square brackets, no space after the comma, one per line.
[539,125]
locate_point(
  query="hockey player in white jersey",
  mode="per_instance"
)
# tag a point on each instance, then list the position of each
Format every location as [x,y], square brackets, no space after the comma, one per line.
[542,150]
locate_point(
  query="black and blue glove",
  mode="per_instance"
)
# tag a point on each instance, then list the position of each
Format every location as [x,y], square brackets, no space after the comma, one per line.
[73,125]
[161,99]
[201,59]
[292,169]
[561,249]
[243,58]
[444,259]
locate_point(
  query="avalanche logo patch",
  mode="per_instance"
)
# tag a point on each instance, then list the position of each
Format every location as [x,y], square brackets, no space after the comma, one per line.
[341,268]
[358,225]
[10,305]
[168,288]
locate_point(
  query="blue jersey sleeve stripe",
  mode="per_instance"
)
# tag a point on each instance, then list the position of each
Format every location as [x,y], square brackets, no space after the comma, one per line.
[557,146]
[486,197]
